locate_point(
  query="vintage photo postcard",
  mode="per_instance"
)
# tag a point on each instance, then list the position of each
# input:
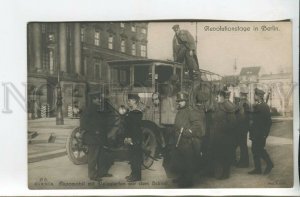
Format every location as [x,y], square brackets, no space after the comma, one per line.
[160,105]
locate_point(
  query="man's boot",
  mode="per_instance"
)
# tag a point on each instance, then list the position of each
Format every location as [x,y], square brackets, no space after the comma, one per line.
[269,162]
[257,169]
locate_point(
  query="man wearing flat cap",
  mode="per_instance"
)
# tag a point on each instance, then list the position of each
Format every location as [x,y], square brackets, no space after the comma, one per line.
[259,131]
[184,50]
[242,129]
[188,137]
[134,138]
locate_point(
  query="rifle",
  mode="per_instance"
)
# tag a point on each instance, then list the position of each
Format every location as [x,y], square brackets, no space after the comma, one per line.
[179,137]
[268,95]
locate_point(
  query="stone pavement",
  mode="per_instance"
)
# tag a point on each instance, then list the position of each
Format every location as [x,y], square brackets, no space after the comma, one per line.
[281,133]
[42,150]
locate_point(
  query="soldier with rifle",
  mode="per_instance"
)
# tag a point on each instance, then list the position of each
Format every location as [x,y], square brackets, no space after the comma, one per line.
[260,125]
[189,131]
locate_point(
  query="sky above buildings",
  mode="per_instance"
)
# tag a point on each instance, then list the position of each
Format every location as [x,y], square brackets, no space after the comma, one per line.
[221,44]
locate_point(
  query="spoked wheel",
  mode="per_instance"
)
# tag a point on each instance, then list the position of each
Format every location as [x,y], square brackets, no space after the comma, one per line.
[149,147]
[76,150]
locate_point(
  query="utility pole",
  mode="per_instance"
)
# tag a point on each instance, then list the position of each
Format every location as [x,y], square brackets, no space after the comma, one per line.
[59,114]
[196,37]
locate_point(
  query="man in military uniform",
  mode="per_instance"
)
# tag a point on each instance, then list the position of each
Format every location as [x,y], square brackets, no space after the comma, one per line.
[189,131]
[94,122]
[259,130]
[242,129]
[184,50]
[134,137]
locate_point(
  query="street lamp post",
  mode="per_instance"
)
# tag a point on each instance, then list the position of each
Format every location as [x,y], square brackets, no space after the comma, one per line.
[59,114]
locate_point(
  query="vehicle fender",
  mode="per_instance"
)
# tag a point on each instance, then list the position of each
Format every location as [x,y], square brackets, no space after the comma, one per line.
[157,131]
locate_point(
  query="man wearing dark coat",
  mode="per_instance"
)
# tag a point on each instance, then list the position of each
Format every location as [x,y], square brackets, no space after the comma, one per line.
[134,138]
[222,123]
[259,130]
[243,129]
[94,122]
[189,130]
[184,50]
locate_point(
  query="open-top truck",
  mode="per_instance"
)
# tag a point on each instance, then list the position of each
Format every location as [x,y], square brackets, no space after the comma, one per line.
[156,82]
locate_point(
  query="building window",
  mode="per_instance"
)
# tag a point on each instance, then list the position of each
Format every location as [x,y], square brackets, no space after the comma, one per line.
[97,68]
[46,59]
[43,28]
[122,25]
[97,38]
[133,49]
[133,28]
[123,46]
[143,50]
[82,34]
[144,31]
[110,42]
[84,66]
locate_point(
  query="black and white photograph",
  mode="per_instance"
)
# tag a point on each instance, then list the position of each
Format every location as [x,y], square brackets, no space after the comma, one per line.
[156,98]
[170,104]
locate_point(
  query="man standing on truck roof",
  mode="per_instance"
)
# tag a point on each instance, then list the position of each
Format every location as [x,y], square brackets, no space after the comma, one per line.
[184,51]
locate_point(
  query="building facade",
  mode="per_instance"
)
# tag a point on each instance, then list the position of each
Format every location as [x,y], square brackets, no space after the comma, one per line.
[278,87]
[76,54]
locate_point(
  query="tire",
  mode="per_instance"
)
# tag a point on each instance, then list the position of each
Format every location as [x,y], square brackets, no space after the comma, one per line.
[149,147]
[77,152]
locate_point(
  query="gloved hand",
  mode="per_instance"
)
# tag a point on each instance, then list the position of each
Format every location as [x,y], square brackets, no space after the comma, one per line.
[187,133]
[128,141]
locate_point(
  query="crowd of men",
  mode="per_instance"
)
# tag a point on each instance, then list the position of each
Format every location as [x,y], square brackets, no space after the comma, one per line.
[206,139]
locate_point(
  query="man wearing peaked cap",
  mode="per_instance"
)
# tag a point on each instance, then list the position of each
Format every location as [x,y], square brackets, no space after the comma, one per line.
[259,92]
[182,96]
[259,130]
[175,27]
[94,122]
[134,138]
[134,96]
[184,50]
[242,116]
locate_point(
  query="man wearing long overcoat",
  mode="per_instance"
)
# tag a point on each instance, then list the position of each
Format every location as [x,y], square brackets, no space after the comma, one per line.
[189,130]
[259,131]
[94,121]
[222,123]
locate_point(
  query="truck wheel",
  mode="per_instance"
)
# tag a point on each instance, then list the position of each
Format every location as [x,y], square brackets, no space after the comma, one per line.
[76,150]
[149,147]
